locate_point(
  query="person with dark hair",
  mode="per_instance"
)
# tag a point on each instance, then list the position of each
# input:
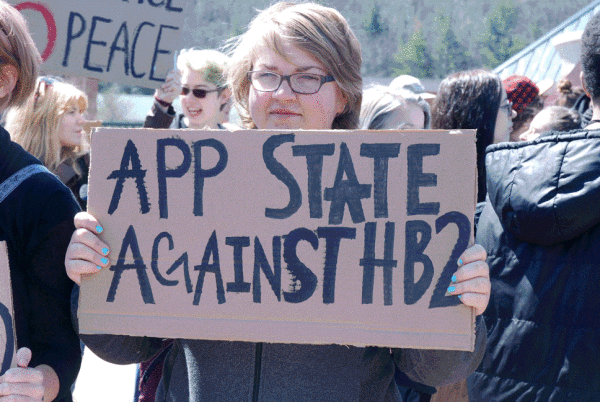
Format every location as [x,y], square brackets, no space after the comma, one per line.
[552,119]
[36,222]
[524,95]
[569,94]
[474,99]
[541,229]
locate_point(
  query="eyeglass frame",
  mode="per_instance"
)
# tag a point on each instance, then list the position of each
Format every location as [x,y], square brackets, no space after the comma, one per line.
[324,80]
[508,107]
[193,91]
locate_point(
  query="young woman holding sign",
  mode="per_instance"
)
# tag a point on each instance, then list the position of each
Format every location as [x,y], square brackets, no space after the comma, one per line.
[36,220]
[297,67]
[50,127]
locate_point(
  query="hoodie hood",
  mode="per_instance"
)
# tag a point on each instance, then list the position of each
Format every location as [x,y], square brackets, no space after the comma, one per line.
[546,191]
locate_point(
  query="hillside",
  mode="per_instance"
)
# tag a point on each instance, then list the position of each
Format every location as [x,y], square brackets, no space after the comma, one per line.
[429,38]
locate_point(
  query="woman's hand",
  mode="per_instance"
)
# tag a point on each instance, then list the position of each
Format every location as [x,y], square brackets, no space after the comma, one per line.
[22,383]
[86,253]
[171,88]
[471,282]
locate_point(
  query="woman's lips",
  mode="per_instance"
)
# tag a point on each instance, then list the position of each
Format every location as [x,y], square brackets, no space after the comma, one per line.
[284,112]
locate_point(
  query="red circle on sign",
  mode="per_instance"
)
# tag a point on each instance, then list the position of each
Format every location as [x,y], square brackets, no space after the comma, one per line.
[50,24]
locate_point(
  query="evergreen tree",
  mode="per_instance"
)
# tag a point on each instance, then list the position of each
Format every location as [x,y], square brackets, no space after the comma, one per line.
[414,57]
[499,42]
[450,55]
[374,25]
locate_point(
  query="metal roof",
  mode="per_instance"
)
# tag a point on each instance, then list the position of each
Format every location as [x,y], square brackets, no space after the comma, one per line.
[540,60]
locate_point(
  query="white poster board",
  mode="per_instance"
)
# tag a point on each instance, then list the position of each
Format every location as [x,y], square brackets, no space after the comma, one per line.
[131,42]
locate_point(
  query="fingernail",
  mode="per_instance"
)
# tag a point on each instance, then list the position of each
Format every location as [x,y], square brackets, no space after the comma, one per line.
[99,229]
[98,267]
[451,289]
[460,262]
[453,279]
[104,260]
[105,251]
[460,296]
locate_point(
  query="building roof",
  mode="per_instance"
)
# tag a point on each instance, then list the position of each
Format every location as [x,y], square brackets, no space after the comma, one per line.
[541,60]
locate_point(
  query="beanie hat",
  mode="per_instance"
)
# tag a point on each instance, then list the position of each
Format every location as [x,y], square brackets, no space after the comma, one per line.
[521,91]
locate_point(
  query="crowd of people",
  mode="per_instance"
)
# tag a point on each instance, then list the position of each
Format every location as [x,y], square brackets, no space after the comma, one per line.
[531,277]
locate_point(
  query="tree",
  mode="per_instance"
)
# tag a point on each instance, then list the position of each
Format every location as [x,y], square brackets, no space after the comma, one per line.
[374,25]
[499,42]
[414,57]
[450,55]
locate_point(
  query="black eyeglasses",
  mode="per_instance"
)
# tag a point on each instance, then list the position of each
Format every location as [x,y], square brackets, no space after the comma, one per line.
[198,93]
[300,83]
[508,107]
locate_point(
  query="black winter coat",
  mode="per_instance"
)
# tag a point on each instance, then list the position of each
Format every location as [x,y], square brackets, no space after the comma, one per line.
[541,229]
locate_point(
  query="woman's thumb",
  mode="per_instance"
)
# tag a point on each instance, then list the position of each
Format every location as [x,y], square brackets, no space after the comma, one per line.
[23,357]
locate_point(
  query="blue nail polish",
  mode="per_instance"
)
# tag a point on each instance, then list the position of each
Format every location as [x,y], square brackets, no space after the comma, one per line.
[451,289]
[453,278]
[104,260]
[99,229]
[460,262]
[105,251]
[460,296]
[98,267]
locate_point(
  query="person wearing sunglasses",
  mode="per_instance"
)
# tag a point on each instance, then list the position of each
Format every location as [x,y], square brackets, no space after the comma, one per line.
[199,81]
[36,223]
[50,126]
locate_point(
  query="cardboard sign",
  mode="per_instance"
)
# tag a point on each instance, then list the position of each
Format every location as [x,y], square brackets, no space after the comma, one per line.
[346,237]
[129,42]
[7,331]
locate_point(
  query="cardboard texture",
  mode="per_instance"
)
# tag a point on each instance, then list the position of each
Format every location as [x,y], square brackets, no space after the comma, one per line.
[346,237]
[128,42]
[7,331]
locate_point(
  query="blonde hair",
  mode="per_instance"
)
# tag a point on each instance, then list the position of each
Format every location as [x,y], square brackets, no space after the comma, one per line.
[35,124]
[211,64]
[321,31]
[18,50]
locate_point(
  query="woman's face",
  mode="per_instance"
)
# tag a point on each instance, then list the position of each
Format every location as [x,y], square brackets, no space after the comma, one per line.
[70,127]
[285,109]
[200,112]
[504,120]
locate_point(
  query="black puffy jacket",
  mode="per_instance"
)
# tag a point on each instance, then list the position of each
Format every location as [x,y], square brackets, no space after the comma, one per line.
[540,227]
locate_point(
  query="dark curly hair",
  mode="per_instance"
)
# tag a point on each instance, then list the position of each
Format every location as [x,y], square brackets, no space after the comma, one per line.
[470,100]
[590,56]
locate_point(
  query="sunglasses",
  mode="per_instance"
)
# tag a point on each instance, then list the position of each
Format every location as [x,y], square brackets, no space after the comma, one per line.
[198,93]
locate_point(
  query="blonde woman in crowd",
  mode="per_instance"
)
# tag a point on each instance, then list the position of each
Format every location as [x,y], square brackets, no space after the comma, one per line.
[36,222]
[297,67]
[50,126]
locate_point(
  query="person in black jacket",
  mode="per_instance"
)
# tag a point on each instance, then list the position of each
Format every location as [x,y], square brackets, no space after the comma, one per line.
[36,220]
[541,229]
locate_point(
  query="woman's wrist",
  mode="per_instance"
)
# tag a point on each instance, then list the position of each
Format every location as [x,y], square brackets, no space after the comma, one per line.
[162,102]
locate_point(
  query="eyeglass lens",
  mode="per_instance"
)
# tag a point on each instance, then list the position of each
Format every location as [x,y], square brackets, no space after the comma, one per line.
[303,83]
[198,93]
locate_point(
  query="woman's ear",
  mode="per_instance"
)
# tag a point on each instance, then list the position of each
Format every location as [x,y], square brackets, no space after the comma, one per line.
[8,80]
[225,95]
[583,84]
